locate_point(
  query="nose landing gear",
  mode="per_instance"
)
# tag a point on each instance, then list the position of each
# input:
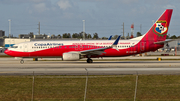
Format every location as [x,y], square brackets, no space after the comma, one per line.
[89,60]
[22,61]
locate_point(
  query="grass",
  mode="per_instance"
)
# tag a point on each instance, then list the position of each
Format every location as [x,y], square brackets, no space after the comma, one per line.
[59,88]
[99,88]
[164,87]
[4,56]
[15,88]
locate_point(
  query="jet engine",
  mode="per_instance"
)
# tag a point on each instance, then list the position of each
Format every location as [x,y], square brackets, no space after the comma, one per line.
[71,56]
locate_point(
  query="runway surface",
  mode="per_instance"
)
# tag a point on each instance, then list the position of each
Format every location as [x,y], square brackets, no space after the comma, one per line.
[11,66]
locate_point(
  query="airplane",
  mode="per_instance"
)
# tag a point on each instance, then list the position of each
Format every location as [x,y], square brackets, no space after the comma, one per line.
[154,39]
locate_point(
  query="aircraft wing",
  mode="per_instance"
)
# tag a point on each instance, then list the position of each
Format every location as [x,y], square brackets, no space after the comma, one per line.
[99,50]
[94,51]
[163,42]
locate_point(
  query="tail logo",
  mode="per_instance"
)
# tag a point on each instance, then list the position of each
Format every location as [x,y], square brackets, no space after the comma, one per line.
[160,28]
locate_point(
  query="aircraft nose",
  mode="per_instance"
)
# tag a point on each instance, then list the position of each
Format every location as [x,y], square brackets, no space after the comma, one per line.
[6,51]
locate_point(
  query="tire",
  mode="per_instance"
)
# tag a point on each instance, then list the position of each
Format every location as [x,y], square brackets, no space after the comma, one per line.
[89,61]
[22,61]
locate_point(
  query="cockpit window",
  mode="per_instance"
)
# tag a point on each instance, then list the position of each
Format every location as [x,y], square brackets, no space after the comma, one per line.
[14,47]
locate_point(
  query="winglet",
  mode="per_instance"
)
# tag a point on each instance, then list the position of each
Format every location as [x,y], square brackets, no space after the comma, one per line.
[110,37]
[114,45]
[117,40]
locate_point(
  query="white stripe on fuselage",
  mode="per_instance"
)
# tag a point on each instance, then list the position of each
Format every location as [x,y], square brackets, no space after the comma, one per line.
[41,45]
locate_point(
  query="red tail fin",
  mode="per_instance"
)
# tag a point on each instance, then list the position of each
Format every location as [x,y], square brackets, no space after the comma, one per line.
[158,31]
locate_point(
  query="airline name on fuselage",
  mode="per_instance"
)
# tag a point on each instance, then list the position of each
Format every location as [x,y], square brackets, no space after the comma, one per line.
[48,44]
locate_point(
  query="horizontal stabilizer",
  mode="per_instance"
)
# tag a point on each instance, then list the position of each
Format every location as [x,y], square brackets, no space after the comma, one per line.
[163,42]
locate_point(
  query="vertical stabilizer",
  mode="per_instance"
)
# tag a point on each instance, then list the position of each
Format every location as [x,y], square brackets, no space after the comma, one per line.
[158,31]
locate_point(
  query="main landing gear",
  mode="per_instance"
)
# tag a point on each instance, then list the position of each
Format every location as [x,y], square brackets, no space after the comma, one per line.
[89,60]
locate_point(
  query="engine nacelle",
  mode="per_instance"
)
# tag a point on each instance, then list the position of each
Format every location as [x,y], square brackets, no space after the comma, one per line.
[71,56]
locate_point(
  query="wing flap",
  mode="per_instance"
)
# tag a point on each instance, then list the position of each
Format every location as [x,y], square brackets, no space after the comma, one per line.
[94,51]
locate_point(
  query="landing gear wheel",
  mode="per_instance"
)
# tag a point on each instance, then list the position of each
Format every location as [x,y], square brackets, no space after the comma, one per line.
[167,45]
[21,61]
[89,60]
